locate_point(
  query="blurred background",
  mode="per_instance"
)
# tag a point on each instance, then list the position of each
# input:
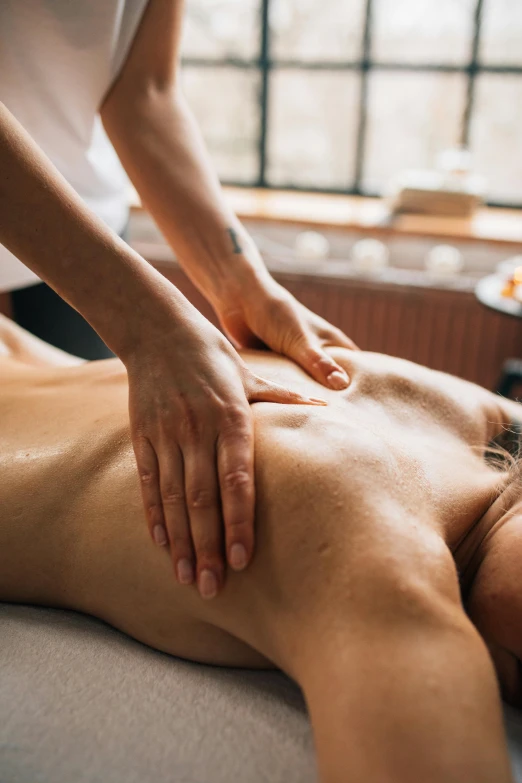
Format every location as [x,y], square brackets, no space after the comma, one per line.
[343,94]
[373,149]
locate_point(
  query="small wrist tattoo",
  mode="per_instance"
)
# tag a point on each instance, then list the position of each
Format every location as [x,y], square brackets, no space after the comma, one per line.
[235,241]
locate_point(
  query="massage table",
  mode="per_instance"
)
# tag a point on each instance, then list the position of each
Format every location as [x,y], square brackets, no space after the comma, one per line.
[82,703]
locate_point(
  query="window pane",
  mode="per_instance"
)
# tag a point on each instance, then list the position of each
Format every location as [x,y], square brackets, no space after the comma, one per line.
[316,29]
[226,104]
[437,31]
[411,118]
[501,34]
[312,128]
[495,135]
[221,28]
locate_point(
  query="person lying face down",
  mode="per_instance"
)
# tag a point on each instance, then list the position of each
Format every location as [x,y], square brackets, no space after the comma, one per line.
[388,545]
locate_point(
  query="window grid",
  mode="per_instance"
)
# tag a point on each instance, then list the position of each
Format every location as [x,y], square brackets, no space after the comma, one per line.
[264,64]
[472,72]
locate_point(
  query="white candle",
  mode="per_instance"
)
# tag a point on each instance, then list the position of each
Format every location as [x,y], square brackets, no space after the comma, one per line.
[311,246]
[444,261]
[370,256]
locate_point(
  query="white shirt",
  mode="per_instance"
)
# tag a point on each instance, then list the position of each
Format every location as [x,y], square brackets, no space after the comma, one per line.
[58,60]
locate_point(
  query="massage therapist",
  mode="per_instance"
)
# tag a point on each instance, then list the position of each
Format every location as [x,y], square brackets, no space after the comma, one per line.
[72,74]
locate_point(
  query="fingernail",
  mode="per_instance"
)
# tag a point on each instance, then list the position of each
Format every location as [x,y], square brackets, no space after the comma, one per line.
[237,557]
[318,400]
[207,584]
[338,380]
[185,571]
[159,534]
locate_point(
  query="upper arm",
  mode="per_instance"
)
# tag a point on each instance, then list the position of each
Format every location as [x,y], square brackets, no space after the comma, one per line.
[153,59]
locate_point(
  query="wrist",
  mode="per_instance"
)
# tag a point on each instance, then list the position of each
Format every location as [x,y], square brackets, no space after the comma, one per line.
[243,275]
[149,310]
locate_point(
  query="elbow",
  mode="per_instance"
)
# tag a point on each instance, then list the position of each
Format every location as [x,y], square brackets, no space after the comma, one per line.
[128,103]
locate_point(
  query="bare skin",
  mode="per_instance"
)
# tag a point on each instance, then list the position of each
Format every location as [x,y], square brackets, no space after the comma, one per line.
[365,509]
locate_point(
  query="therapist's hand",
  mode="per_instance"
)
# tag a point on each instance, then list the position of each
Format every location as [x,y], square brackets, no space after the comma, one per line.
[192,432]
[267,314]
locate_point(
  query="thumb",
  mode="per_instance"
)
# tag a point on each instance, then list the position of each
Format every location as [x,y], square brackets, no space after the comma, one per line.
[236,328]
[261,390]
[320,365]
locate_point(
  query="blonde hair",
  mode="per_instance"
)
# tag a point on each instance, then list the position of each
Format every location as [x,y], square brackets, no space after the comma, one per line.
[504,454]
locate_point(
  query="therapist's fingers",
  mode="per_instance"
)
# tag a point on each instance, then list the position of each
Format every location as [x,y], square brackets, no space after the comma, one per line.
[148,472]
[261,390]
[218,455]
[235,457]
[319,364]
[204,509]
[194,452]
[333,337]
[173,499]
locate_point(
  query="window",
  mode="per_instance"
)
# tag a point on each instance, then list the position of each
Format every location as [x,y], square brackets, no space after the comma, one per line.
[340,95]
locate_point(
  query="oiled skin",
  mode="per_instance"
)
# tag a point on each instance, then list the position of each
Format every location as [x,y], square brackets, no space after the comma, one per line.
[376,489]
[67,464]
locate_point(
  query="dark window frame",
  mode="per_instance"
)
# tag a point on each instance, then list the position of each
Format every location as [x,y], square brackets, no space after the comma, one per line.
[264,64]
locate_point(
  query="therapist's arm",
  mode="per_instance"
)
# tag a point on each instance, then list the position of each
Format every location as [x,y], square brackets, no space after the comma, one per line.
[161,148]
[190,420]
[45,224]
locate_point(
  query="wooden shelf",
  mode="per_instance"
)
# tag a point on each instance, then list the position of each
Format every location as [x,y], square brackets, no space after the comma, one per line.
[371,215]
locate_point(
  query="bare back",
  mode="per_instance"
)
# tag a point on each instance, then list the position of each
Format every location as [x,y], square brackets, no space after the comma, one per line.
[401,438]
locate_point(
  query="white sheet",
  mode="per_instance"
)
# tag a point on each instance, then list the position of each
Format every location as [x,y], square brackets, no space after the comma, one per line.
[82,703]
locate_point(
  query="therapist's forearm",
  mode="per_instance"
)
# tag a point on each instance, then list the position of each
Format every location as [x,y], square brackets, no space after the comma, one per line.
[45,224]
[161,147]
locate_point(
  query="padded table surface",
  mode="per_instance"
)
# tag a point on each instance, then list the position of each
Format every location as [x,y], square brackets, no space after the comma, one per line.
[83,703]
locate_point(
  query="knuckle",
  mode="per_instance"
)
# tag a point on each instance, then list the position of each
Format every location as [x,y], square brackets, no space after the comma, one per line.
[141,441]
[319,361]
[239,478]
[147,477]
[154,513]
[234,415]
[240,526]
[235,422]
[201,499]
[173,497]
